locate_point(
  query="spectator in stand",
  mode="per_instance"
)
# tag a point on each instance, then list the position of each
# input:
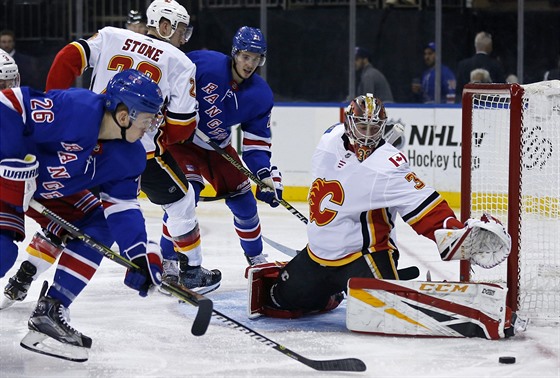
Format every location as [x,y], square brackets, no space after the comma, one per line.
[26,64]
[424,91]
[480,75]
[481,59]
[370,79]
[554,73]
[135,22]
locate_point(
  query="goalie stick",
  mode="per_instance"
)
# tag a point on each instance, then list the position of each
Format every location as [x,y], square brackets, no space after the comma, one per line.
[408,273]
[344,364]
[247,172]
[205,305]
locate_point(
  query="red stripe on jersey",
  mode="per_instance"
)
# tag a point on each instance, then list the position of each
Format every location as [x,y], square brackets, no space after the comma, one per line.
[379,229]
[74,265]
[11,96]
[433,220]
[254,142]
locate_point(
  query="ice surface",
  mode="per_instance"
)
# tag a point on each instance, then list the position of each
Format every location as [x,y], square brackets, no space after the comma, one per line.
[150,337]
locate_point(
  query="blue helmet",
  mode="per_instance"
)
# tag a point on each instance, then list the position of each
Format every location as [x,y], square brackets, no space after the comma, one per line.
[136,90]
[249,39]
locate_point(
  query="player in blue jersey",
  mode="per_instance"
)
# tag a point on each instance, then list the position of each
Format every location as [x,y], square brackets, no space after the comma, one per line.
[229,92]
[55,146]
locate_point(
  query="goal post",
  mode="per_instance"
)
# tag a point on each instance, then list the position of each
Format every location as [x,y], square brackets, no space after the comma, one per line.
[511,169]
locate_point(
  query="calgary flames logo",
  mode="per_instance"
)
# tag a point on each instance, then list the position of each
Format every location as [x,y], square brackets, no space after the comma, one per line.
[320,190]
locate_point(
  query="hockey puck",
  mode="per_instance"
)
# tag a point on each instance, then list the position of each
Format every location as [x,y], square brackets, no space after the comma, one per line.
[507,360]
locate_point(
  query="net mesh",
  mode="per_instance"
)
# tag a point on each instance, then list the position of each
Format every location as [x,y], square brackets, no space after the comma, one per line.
[538,276]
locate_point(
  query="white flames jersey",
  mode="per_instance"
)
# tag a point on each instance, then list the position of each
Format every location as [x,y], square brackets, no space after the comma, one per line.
[353,205]
[112,50]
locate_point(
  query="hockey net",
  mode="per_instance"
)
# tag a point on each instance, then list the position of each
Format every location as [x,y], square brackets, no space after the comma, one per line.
[511,169]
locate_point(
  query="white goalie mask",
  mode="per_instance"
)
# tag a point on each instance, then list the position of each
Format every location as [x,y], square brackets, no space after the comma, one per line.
[9,73]
[364,124]
[172,11]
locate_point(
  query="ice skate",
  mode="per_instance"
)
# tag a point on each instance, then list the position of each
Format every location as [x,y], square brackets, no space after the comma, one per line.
[18,285]
[50,334]
[170,274]
[197,278]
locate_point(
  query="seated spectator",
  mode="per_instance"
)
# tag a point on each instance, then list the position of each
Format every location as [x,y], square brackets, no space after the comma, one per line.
[480,75]
[424,90]
[511,79]
[26,64]
[370,79]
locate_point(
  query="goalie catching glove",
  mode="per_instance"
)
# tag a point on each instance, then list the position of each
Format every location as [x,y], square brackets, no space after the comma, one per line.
[272,178]
[18,180]
[484,242]
[149,270]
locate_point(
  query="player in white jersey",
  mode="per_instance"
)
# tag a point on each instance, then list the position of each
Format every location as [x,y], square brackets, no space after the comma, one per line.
[9,73]
[361,184]
[156,54]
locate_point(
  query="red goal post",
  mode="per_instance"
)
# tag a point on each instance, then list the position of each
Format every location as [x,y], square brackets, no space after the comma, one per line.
[511,169]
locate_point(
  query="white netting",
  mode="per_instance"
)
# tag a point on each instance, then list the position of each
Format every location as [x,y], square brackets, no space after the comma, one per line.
[538,278]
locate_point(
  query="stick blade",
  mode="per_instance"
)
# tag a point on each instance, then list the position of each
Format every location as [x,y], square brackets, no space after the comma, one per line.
[203,316]
[345,364]
[204,304]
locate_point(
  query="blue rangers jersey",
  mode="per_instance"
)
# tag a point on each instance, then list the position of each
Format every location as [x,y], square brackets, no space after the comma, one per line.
[61,129]
[223,104]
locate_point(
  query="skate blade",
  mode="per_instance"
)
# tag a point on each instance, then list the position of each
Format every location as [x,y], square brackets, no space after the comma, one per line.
[40,343]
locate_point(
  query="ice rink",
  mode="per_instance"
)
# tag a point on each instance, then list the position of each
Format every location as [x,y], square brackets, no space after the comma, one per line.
[151,337]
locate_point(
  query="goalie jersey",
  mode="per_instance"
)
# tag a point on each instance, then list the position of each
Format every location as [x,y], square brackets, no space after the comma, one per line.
[71,159]
[112,50]
[350,217]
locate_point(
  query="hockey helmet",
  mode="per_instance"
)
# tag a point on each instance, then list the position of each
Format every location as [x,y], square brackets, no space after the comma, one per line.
[365,123]
[9,73]
[249,39]
[138,92]
[172,11]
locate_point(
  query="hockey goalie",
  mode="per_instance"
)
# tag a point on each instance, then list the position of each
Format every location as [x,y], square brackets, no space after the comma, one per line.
[361,185]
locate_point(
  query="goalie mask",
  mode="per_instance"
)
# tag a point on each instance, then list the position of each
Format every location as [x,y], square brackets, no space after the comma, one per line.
[364,124]
[9,74]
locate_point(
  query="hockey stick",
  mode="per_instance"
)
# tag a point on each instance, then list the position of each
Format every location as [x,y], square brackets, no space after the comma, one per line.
[247,172]
[344,364]
[217,198]
[205,305]
[408,273]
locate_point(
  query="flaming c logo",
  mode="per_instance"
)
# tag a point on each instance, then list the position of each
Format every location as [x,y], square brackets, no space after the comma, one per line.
[320,190]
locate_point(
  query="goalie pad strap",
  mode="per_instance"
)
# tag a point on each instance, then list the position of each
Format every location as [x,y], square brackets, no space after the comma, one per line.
[429,309]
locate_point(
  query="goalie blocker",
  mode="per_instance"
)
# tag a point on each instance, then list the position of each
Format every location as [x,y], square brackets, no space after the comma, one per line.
[430,309]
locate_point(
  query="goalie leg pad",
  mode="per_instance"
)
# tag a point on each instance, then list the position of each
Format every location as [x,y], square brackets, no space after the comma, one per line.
[426,309]
[261,278]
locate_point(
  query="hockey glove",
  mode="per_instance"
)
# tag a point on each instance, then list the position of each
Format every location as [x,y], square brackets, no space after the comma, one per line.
[484,242]
[149,273]
[272,178]
[18,180]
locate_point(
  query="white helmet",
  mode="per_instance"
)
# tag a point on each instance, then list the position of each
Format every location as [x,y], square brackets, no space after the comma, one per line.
[171,10]
[8,71]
